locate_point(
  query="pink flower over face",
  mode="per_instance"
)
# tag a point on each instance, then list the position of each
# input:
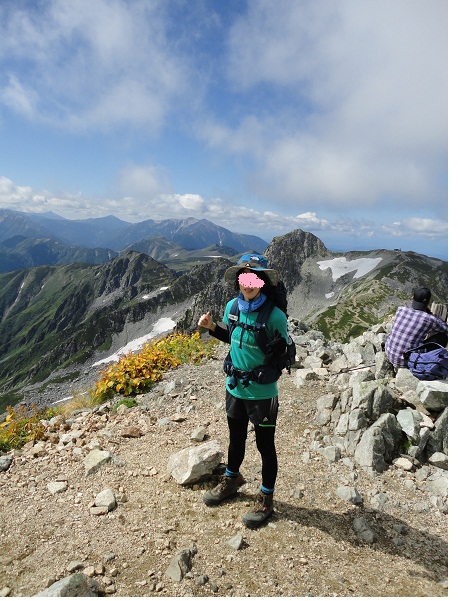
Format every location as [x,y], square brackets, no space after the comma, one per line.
[250,280]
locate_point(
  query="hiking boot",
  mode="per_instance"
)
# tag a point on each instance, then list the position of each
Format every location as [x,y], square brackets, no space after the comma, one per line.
[262,510]
[227,488]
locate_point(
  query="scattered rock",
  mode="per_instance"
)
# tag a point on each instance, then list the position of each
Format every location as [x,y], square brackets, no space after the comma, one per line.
[236,542]
[76,585]
[5,462]
[95,460]
[349,494]
[195,463]
[322,441]
[106,499]
[181,564]
[57,487]
[131,432]
[363,532]
[199,434]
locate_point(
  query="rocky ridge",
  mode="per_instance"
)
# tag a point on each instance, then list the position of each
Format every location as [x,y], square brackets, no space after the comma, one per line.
[77,313]
[361,502]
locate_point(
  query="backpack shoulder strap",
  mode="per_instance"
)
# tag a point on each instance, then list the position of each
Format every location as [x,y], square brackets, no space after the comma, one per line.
[234,313]
[260,325]
[264,312]
[261,322]
[425,347]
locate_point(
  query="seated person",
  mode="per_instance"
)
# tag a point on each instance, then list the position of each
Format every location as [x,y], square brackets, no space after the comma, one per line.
[412,326]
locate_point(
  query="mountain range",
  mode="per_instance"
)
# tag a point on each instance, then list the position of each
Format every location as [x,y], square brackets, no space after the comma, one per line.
[58,320]
[32,239]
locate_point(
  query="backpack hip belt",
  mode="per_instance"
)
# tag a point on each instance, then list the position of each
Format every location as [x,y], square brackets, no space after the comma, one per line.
[238,374]
[263,374]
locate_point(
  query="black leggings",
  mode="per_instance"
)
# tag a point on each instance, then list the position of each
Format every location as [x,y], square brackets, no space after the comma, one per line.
[265,442]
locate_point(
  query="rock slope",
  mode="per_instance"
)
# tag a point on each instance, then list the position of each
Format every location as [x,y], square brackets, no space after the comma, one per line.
[94,510]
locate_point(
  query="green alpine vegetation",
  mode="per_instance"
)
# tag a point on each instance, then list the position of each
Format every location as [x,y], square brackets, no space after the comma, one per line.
[56,321]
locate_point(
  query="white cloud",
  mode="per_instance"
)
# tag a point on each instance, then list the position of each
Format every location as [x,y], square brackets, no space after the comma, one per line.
[93,65]
[237,218]
[143,181]
[415,226]
[342,102]
[192,202]
[318,108]
[19,98]
[311,220]
[364,91]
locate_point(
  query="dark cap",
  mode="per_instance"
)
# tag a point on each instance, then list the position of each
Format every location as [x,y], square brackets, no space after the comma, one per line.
[422,295]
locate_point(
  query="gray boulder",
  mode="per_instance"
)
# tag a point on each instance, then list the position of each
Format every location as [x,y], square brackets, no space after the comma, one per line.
[438,439]
[76,585]
[379,444]
[195,463]
[433,395]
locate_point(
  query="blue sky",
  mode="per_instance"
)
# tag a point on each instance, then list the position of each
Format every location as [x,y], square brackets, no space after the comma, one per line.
[261,116]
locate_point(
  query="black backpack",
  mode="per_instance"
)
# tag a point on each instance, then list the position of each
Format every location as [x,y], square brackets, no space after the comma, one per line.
[278,295]
[276,299]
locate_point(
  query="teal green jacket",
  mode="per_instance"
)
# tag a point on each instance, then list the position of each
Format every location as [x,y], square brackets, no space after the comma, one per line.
[246,354]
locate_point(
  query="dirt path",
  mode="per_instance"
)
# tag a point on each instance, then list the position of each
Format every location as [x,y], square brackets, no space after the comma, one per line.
[309,547]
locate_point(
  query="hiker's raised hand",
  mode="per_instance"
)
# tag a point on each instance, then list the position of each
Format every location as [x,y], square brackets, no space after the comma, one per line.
[206,321]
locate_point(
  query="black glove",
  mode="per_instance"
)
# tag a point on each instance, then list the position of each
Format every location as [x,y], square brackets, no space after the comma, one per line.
[275,349]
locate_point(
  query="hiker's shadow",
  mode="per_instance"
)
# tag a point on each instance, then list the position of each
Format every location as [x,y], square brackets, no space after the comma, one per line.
[392,535]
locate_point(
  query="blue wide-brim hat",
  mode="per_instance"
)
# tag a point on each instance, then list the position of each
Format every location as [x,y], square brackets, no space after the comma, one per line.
[253,262]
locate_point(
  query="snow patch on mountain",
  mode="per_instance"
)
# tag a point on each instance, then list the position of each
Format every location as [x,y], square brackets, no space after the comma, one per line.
[163,325]
[340,266]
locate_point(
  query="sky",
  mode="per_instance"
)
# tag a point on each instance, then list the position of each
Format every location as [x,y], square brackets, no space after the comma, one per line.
[258,115]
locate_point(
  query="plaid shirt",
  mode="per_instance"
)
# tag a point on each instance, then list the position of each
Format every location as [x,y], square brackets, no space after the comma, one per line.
[409,329]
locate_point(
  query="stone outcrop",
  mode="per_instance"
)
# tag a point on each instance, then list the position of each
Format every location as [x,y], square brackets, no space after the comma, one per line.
[372,413]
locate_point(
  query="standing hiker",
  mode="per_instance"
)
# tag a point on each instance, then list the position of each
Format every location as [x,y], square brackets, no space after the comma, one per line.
[413,326]
[251,383]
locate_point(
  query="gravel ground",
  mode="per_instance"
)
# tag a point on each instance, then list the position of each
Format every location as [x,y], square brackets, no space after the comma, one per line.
[308,548]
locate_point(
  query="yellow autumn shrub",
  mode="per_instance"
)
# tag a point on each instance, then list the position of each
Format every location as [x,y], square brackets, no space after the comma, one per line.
[132,374]
[135,373]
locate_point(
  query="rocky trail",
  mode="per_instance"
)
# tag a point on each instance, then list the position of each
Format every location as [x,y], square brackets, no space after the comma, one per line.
[318,543]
